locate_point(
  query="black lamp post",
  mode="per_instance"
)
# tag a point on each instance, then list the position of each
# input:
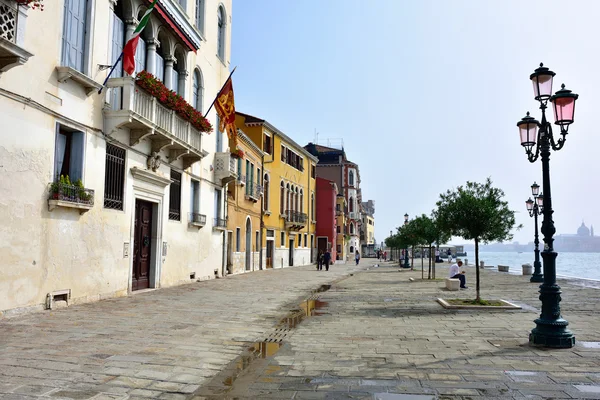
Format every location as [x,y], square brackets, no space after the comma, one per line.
[551,329]
[406,263]
[535,207]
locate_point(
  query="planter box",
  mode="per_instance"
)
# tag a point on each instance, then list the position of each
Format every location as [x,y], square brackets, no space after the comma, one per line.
[505,306]
[503,268]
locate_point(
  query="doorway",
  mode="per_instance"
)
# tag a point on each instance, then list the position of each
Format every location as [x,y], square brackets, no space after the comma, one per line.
[230,252]
[322,244]
[142,245]
[248,244]
[291,253]
[270,253]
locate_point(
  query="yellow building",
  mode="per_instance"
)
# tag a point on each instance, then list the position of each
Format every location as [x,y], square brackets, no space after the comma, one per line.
[289,220]
[244,195]
[340,214]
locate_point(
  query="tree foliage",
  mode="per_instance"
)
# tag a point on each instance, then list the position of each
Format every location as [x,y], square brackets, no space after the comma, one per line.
[476,212]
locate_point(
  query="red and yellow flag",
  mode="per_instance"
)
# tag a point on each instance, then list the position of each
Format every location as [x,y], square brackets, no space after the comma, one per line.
[225,106]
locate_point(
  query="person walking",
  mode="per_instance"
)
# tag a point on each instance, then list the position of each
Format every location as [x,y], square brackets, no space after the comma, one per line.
[385,256]
[320,260]
[449,255]
[327,259]
[357,257]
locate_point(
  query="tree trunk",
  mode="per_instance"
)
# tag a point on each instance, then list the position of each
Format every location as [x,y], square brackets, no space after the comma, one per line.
[422,258]
[412,258]
[429,263]
[477,269]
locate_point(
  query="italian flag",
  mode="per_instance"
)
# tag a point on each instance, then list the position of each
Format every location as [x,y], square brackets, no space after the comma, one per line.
[131,45]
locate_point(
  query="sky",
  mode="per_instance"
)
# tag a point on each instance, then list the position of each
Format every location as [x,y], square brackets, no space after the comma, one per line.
[426,94]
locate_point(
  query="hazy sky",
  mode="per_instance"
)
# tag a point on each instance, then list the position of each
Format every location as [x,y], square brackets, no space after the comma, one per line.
[426,94]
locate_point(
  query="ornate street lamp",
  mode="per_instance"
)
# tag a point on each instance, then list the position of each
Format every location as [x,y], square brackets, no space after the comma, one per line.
[535,208]
[537,139]
[406,263]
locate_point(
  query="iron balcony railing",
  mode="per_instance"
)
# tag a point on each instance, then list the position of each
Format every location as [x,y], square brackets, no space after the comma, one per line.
[295,216]
[70,193]
[9,19]
[197,218]
[220,223]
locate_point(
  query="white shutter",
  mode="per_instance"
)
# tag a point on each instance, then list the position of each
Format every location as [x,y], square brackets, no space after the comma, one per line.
[118,39]
[140,56]
[160,68]
[74,29]
[76,161]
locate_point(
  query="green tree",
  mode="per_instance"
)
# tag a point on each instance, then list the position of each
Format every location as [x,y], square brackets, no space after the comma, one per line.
[430,232]
[476,212]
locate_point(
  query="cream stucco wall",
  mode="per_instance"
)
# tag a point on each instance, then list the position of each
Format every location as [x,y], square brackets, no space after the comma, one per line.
[45,251]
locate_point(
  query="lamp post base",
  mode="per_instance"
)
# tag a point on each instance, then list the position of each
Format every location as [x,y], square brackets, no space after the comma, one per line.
[537,272]
[536,278]
[555,335]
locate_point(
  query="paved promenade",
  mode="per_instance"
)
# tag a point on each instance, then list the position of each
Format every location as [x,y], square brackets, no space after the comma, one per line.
[375,335]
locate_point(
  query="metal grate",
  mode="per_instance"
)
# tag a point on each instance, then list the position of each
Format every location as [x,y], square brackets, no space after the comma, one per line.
[8,22]
[175,196]
[114,177]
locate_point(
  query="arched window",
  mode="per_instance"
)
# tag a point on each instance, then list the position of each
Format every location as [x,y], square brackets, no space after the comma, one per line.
[287,197]
[351,178]
[266,193]
[312,206]
[351,204]
[296,208]
[221,33]
[198,91]
[200,15]
[301,201]
[282,199]
[351,228]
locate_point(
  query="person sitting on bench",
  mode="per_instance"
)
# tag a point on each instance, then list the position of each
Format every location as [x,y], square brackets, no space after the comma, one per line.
[456,274]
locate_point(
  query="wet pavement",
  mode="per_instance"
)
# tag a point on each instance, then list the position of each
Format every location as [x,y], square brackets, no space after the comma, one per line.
[296,333]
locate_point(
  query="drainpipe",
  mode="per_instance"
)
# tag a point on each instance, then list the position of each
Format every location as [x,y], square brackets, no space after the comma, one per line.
[262,213]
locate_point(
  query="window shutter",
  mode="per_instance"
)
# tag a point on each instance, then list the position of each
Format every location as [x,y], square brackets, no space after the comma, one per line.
[160,68]
[140,56]
[175,83]
[76,162]
[219,137]
[73,40]
[117,49]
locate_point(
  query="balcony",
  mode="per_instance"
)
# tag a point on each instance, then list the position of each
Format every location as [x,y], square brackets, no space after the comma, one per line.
[295,220]
[354,215]
[253,192]
[12,35]
[225,167]
[198,220]
[70,196]
[145,118]
[219,224]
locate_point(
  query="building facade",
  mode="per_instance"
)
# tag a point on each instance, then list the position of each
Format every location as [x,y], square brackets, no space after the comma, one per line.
[367,229]
[244,207]
[326,231]
[289,220]
[105,194]
[333,165]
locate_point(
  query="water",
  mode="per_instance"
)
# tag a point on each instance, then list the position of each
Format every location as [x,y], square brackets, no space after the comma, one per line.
[579,265]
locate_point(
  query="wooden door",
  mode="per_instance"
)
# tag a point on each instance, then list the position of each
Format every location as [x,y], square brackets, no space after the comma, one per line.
[291,252]
[270,253]
[142,245]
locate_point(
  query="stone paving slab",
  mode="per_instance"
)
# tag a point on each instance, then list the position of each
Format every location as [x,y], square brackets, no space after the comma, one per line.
[159,344]
[383,336]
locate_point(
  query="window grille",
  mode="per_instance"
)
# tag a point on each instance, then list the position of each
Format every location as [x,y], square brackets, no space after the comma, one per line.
[114,177]
[175,196]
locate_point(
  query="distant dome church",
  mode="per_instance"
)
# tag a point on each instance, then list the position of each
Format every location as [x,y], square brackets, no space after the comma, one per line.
[583,241]
[583,230]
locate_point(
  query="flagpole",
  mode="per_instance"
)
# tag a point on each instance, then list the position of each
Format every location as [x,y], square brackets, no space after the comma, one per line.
[219,92]
[110,73]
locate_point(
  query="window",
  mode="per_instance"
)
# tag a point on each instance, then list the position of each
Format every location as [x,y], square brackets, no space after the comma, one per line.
[339,229]
[312,206]
[339,248]
[238,238]
[305,240]
[282,239]
[283,153]
[351,178]
[221,33]
[267,145]
[351,228]
[160,66]
[282,199]
[338,207]
[68,154]
[219,136]
[140,56]
[74,49]
[351,204]
[114,177]
[198,91]
[266,193]
[313,171]
[195,197]
[239,168]
[218,212]
[200,15]
[257,242]
[302,202]
[175,196]
[248,180]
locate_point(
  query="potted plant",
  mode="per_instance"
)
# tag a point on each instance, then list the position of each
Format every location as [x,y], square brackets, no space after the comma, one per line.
[34,4]
[237,153]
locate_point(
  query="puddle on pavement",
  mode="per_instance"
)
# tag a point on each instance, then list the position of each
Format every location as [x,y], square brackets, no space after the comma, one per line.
[255,356]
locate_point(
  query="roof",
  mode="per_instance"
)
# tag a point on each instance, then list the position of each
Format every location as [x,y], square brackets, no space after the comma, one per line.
[249,142]
[250,119]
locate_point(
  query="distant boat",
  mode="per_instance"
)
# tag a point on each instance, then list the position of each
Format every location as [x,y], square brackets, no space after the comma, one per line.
[520,252]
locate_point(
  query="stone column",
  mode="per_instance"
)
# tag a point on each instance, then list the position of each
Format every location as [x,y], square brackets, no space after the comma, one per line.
[169,61]
[130,25]
[151,56]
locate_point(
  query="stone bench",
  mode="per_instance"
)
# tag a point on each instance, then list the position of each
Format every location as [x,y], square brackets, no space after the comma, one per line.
[452,284]
[503,268]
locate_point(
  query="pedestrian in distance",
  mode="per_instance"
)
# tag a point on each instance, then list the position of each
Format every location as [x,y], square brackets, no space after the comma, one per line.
[455,273]
[320,260]
[327,259]
[385,256]
[437,256]
[357,257]
[449,256]
[378,255]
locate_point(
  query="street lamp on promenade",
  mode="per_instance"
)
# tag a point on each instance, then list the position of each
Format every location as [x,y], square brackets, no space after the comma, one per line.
[537,139]
[406,263]
[535,207]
